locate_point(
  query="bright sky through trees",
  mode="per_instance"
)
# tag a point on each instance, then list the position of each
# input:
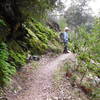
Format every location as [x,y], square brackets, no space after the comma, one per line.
[94,4]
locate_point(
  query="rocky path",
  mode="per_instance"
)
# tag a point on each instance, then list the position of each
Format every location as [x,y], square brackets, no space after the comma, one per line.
[41,82]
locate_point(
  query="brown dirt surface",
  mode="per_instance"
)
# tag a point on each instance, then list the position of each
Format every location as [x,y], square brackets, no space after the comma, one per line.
[38,84]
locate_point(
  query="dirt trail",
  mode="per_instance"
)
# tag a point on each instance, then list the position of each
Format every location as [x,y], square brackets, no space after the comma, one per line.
[41,86]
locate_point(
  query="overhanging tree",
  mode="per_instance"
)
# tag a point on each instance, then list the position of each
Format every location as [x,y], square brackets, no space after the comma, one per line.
[14,11]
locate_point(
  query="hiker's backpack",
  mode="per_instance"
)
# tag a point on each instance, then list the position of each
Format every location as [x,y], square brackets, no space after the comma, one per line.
[62,36]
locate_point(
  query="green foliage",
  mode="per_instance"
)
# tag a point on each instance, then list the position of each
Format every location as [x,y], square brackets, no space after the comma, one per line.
[2,22]
[17,59]
[87,47]
[62,23]
[6,69]
[86,44]
[42,38]
[38,40]
[36,8]
[96,94]
[78,14]
[39,28]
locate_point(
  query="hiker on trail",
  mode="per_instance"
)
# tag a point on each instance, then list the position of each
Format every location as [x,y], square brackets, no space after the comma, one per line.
[64,38]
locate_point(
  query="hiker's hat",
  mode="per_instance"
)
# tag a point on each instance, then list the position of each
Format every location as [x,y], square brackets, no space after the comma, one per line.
[66,28]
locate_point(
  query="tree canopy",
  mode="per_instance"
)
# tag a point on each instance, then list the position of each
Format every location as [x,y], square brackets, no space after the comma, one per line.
[29,7]
[35,7]
[78,13]
[14,12]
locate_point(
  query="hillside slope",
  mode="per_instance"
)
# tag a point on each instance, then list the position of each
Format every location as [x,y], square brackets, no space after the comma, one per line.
[34,39]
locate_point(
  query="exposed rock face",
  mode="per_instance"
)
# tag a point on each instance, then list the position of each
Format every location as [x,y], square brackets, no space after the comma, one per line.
[53,25]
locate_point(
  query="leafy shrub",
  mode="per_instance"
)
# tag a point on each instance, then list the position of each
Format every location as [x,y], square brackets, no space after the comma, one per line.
[87,47]
[42,38]
[6,69]
[17,59]
[38,40]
